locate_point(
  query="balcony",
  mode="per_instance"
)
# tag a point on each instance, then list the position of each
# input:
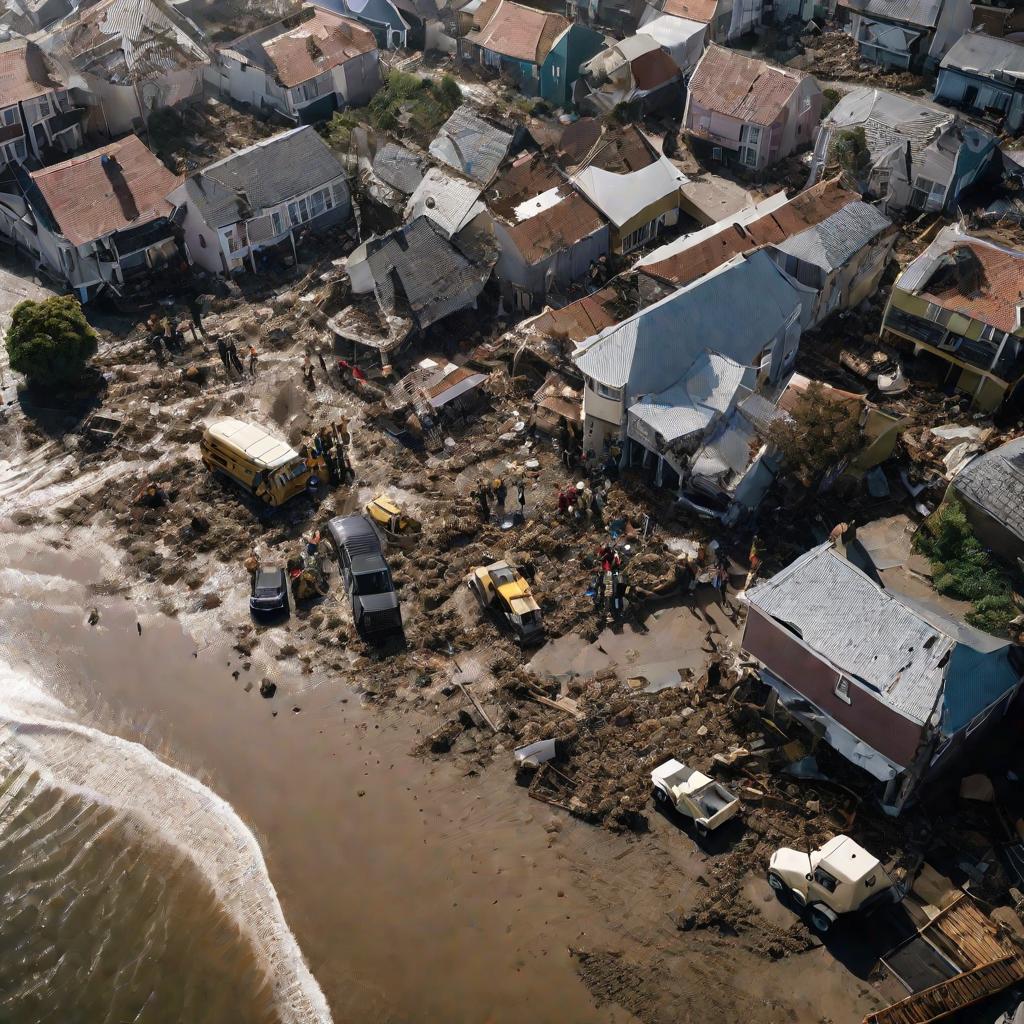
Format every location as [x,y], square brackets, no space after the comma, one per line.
[718,140]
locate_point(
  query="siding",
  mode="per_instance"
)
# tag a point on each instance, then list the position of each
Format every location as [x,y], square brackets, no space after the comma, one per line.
[879,726]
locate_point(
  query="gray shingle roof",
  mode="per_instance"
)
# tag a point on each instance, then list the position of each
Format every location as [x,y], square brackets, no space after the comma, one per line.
[265,175]
[471,145]
[985,55]
[995,482]
[837,238]
[735,311]
[418,266]
[398,167]
[894,645]
[889,119]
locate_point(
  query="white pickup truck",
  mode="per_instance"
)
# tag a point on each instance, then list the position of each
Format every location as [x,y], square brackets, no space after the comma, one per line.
[694,795]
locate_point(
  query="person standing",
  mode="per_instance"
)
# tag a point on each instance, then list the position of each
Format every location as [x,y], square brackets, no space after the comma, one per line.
[195,309]
[253,360]
[521,493]
[500,494]
[323,365]
[222,351]
[233,356]
[482,503]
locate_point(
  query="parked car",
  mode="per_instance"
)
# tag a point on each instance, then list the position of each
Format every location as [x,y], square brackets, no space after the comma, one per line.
[269,592]
[356,546]
[694,795]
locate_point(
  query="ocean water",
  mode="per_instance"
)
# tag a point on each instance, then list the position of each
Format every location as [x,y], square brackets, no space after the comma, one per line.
[129,892]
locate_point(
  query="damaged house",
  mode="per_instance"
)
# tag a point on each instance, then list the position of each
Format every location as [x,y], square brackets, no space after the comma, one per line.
[539,51]
[825,238]
[258,198]
[895,687]
[37,117]
[960,308]
[304,67]
[549,235]
[745,112]
[99,222]
[724,20]
[912,35]
[123,59]
[991,488]
[901,151]
[470,145]
[635,70]
[684,387]
[411,278]
[635,187]
[984,76]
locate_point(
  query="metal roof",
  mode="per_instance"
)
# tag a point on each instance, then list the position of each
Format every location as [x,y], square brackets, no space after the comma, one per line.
[894,646]
[889,119]
[691,405]
[262,176]
[398,167]
[924,13]
[994,481]
[985,55]
[471,145]
[620,197]
[449,202]
[734,311]
[837,238]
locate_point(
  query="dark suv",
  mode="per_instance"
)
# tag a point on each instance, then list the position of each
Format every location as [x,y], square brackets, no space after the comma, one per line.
[366,575]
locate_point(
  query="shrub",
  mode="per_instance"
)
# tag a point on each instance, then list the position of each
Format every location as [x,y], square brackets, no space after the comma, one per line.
[849,150]
[818,434]
[427,104]
[962,568]
[50,342]
[830,97]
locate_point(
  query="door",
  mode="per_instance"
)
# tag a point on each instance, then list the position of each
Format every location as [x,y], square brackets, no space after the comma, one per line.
[970,96]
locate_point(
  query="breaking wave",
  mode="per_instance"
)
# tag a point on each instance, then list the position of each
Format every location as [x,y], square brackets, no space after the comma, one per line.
[40,741]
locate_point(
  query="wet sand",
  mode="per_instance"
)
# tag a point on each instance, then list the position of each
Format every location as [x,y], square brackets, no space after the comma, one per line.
[413,893]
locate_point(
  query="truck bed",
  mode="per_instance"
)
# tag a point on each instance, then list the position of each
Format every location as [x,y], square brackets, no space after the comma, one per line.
[717,803]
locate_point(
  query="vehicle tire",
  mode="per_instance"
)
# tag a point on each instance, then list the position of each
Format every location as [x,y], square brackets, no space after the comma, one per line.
[660,796]
[701,830]
[776,882]
[819,920]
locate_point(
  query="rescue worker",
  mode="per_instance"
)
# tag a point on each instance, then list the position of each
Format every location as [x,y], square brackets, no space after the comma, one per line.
[252,567]
[500,494]
[253,360]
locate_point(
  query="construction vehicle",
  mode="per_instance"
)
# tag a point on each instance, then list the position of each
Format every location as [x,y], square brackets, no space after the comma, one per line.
[399,530]
[840,878]
[501,589]
[694,795]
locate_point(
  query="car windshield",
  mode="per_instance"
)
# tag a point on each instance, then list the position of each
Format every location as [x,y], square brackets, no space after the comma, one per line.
[288,473]
[374,583]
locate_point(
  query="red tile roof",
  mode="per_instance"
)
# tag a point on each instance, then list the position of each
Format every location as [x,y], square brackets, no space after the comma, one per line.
[90,199]
[693,10]
[803,211]
[522,33]
[581,319]
[23,73]
[999,291]
[750,90]
[320,43]
[654,69]
[559,227]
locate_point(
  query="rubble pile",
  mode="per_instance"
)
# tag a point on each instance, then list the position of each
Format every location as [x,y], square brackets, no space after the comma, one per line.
[834,55]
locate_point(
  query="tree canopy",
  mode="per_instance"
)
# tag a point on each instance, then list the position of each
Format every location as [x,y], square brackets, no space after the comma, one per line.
[50,342]
[818,434]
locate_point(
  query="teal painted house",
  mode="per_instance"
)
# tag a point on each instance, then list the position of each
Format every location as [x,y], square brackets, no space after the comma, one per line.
[541,52]
[561,67]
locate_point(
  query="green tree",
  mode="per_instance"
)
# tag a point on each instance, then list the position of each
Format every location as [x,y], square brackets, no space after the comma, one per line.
[850,151]
[50,342]
[819,433]
[830,97]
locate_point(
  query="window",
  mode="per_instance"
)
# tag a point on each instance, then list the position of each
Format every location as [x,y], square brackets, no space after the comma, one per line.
[716,153]
[556,72]
[825,880]
[278,222]
[10,115]
[67,261]
[298,212]
[843,690]
[749,156]
[317,204]
[44,107]
[612,394]
[805,104]
[202,241]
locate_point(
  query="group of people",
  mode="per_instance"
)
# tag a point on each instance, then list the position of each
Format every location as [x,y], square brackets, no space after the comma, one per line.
[497,492]
[326,451]
[347,372]
[580,502]
[228,352]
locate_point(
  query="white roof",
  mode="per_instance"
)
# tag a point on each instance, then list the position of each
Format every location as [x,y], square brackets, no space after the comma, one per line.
[620,197]
[538,204]
[258,444]
[450,202]
[745,216]
[847,859]
[671,31]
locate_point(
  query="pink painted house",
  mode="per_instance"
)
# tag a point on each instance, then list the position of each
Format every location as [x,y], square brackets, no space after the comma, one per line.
[747,113]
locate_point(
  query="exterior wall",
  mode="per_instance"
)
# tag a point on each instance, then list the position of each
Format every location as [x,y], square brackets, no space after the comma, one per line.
[561,67]
[972,161]
[358,79]
[955,18]
[787,657]
[953,83]
[556,273]
[666,206]
[247,84]
[37,115]
[114,109]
